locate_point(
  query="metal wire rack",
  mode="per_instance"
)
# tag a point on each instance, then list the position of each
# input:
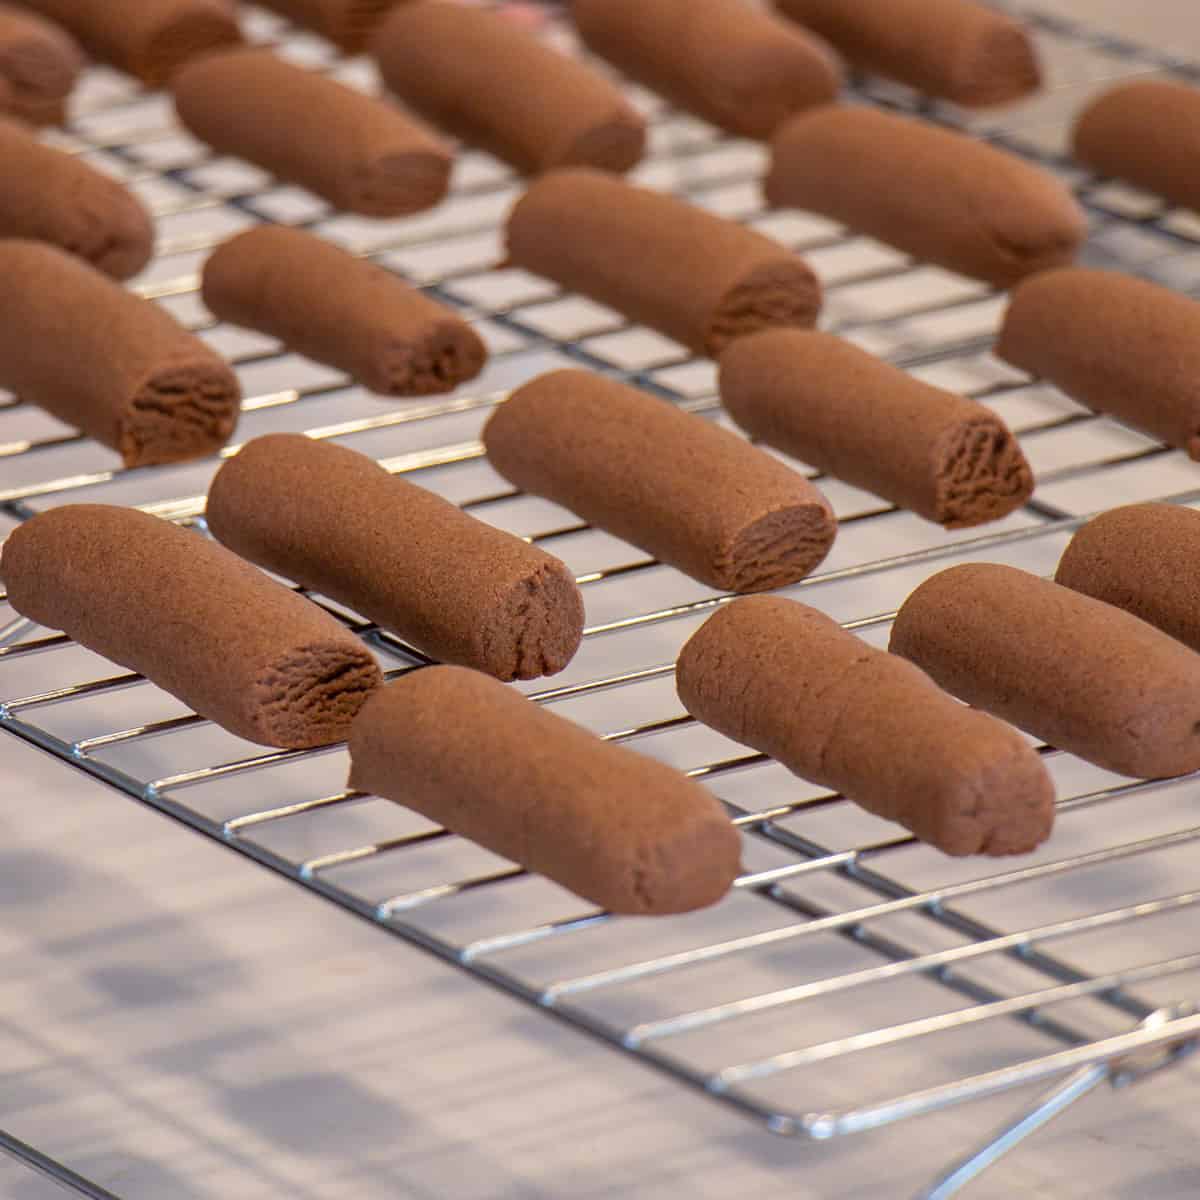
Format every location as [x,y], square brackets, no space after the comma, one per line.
[1066,968]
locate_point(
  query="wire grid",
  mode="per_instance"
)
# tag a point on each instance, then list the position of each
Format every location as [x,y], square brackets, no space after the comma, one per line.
[854,977]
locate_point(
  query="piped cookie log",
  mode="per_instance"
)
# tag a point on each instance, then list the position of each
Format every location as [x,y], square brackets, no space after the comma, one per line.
[355,315]
[684,490]
[492,84]
[735,65]
[695,277]
[1146,132]
[455,588]
[954,49]
[835,407]
[1080,674]
[354,150]
[116,366]
[1144,558]
[347,23]
[1117,344]
[786,680]
[48,195]
[235,646]
[934,193]
[40,61]
[619,829]
[33,112]
[150,39]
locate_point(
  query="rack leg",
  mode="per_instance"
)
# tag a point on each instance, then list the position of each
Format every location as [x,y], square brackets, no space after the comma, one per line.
[1057,1101]
[67,1179]
[1121,1072]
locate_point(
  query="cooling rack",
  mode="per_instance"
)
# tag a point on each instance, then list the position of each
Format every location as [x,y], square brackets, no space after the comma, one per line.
[854,978]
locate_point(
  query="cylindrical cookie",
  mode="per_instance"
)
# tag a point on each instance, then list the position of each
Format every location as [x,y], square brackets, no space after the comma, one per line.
[355,315]
[37,57]
[495,85]
[619,829]
[739,67]
[954,49]
[240,649]
[455,588]
[1144,558]
[349,23]
[48,195]
[1120,345]
[150,38]
[1148,133]
[695,277]
[354,150]
[116,366]
[788,681]
[851,415]
[1080,674]
[934,193]
[695,496]
[32,112]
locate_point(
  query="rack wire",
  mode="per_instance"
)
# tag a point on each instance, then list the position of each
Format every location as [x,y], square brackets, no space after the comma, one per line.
[845,943]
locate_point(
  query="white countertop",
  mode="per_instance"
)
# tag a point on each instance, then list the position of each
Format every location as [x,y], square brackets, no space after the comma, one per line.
[178,1023]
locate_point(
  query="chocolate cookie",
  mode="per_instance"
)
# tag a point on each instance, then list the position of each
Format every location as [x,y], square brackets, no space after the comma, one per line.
[48,195]
[953,49]
[354,315]
[492,84]
[1142,558]
[235,646]
[1118,344]
[349,23]
[934,193]
[851,415]
[40,60]
[788,681]
[32,112]
[150,38]
[684,490]
[695,277]
[455,588]
[110,363]
[732,64]
[619,829]
[1146,132]
[1080,674]
[357,152]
